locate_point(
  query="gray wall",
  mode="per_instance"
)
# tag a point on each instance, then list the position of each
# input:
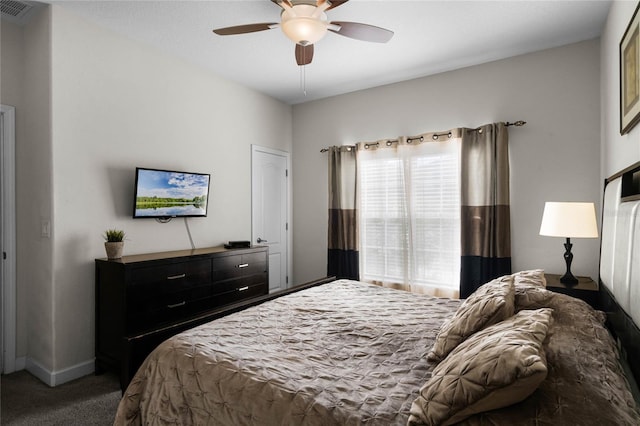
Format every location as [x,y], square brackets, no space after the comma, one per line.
[555,157]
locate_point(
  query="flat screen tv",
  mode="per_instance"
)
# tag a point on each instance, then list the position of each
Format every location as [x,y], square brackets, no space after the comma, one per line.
[169,193]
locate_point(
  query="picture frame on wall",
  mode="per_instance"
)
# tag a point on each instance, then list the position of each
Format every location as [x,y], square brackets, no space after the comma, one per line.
[630,75]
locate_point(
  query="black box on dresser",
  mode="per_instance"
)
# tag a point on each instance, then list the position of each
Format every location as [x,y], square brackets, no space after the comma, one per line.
[143,299]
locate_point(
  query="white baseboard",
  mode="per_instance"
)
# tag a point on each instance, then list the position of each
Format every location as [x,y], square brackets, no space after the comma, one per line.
[56,378]
[21,363]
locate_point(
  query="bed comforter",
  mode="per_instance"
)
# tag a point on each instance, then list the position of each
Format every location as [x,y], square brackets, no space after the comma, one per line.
[349,353]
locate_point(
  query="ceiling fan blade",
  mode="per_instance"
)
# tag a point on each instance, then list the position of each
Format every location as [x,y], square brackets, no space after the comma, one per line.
[304,54]
[244,29]
[363,32]
[279,2]
[334,3]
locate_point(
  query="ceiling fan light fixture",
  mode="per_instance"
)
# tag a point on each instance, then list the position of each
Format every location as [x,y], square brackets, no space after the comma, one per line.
[301,27]
[305,23]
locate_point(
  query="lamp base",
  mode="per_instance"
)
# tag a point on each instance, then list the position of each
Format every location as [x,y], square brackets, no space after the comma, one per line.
[569,280]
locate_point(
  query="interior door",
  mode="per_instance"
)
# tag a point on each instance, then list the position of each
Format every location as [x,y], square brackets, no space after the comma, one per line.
[270,210]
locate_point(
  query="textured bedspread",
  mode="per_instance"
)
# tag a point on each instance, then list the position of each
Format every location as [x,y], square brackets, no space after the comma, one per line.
[349,353]
[339,354]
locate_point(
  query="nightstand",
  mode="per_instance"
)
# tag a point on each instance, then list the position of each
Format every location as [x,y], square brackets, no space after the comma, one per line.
[586,289]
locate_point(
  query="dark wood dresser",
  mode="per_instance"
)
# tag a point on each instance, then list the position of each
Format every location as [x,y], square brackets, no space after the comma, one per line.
[144,299]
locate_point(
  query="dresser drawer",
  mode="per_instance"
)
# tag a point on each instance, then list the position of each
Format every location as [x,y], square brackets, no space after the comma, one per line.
[156,282]
[241,293]
[237,266]
[237,284]
[174,310]
[169,299]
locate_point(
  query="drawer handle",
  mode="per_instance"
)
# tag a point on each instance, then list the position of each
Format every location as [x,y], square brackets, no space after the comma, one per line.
[243,265]
[176,305]
[176,277]
[243,288]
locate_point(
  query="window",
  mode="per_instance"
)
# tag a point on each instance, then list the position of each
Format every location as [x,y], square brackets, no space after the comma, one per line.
[410,214]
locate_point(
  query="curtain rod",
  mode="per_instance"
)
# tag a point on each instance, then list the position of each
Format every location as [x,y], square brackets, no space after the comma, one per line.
[435,136]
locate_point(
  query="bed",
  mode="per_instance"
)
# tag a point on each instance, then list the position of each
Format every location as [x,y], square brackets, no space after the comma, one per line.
[352,353]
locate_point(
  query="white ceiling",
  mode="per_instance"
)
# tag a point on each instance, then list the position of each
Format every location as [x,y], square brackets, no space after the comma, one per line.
[430,37]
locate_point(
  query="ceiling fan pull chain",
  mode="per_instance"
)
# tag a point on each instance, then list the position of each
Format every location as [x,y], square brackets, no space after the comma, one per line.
[303,79]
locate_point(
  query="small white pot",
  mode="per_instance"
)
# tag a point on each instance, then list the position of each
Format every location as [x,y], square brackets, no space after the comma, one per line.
[114,249]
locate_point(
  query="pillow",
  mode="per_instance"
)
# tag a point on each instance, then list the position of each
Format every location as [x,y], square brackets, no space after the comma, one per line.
[533,277]
[531,297]
[496,367]
[530,289]
[489,304]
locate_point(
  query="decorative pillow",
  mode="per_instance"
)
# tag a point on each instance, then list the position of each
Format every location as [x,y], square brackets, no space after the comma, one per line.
[534,277]
[489,304]
[531,297]
[496,367]
[531,292]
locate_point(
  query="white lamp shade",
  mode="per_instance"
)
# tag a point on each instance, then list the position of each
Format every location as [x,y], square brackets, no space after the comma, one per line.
[301,25]
[569,220]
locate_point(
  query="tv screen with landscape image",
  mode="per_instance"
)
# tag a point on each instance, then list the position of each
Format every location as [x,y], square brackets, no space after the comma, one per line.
[167,193]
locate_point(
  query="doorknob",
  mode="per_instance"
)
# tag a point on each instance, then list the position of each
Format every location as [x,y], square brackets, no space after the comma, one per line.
[260,240]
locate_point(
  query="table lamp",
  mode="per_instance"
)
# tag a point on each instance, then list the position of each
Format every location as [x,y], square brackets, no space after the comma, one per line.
[569,220]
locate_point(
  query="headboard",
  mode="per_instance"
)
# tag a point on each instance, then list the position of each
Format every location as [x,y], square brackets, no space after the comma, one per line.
[620,262]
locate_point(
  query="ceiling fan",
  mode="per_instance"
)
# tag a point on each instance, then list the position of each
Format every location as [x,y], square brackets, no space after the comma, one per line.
[305,22]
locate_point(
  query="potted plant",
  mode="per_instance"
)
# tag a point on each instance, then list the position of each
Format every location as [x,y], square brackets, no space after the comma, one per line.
[114,243]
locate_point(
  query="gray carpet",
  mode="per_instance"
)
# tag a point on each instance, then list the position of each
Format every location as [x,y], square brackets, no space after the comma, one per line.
[90,400]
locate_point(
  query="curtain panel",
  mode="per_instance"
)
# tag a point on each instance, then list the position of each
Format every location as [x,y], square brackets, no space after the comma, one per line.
[485,211]
[343,239]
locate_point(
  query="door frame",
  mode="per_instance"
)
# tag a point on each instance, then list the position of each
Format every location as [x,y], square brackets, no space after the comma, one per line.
[258,148]
[8,224]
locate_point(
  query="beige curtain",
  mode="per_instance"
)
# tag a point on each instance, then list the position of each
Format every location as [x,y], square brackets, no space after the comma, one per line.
[343,255]
[485,211]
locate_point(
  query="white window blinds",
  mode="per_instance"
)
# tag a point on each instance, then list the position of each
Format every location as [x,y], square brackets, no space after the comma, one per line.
[410,214]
